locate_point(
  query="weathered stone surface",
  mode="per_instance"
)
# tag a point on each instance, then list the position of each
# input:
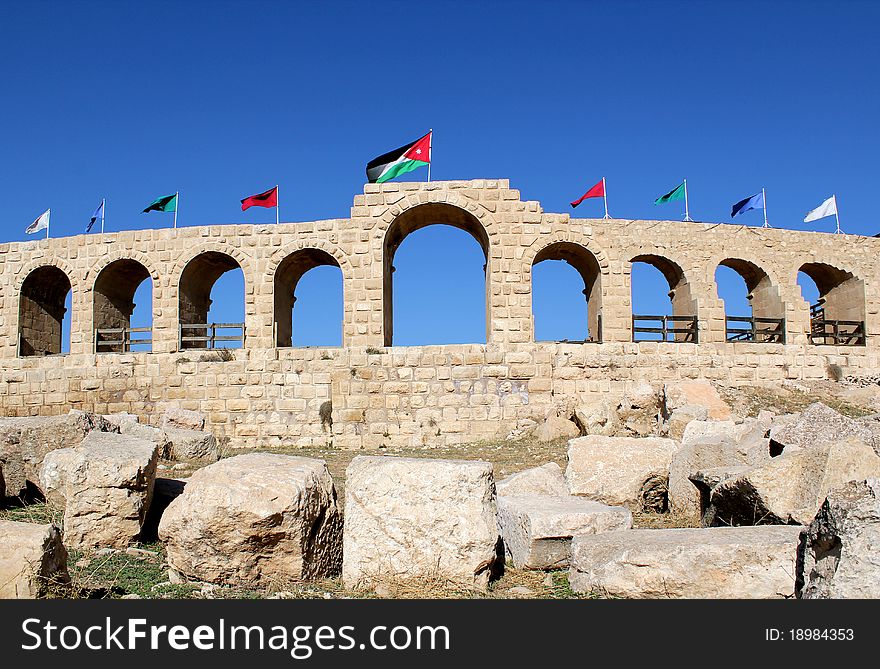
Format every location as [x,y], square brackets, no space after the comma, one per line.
[121,418]
[839,557]
[705,563]
[555,427]
[537,529]
[695,392]
[25,441]
[547,479]
[2,483]
[148,433]
[598,417]
[638,412]
[192,445]
[31,557]
[105,485]
[255,519]
[791,487]
[621,470]
[817,425]
[411,518]
[175,417]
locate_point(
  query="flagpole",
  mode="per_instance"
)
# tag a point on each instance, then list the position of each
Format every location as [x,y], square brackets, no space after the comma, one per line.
[687,216]
[605,197]
[48,219]
[837,215]
[764,200]
[277,204]
[430,151]
[103,212]
[176,207]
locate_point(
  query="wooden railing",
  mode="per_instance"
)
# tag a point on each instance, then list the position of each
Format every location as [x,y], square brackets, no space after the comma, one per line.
[836,332]
[204,335]
[689,332]
[123,340]
[757,330]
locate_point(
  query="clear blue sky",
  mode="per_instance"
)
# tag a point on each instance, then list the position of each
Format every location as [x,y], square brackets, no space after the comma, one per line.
[223,99]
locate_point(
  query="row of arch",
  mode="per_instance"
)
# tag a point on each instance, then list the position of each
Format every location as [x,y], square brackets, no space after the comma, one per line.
[43,291]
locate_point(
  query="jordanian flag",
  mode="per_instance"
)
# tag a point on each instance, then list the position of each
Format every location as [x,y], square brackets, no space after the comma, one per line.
[400,161]
[166,203]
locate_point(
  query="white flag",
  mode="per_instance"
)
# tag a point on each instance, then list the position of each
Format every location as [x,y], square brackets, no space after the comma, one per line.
[42,223]
[827,208]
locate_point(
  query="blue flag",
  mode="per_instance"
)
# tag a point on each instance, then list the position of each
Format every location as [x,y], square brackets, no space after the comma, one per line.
[753,202]
[99,213]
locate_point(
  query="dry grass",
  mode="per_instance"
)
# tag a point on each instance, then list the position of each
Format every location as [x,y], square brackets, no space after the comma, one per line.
[749,400]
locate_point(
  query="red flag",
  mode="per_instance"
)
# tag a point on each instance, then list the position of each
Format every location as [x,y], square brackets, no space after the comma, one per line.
[596,191]
[267,199]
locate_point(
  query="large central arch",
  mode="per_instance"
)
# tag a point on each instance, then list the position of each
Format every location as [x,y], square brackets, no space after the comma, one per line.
[194,301]
[416,218]
[114,305]
[587,265]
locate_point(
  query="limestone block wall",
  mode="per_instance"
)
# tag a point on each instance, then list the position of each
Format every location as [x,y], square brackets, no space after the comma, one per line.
[380,393]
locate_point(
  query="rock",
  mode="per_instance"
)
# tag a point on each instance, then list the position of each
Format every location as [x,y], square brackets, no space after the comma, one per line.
[537,529]
[621,470]
[31,558]
[838,556]
[816,426]
[695,393]
[706,563]
[521,590]
[599,418]
[192,445]
[555,427]
[791,488]
[121,418]
[547,479]
[105,484]
[175,417]
[638,412]
[679,419]
[165,491]
[24,443]
[2,483]
[255,519]
[148,433]
[416,518]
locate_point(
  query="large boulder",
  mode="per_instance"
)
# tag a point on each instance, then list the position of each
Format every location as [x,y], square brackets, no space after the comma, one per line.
[105,486]
[839,556]
[31,558]
[417,518]
[148,433]
[688,400]
[24,443]
[817,425]
[255,519]
[175,417]
[621,470]
[537,529]
[555,427]
[790,488]
[547,479]
[704,563]
[191,445]
[637,413]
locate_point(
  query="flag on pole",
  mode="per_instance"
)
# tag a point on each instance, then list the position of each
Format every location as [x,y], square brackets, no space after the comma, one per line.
[99,213]
[596,191]
[400,161]
[266,199]
[41,223]
[754,202]
[676,193]
[827,208]
[165,203]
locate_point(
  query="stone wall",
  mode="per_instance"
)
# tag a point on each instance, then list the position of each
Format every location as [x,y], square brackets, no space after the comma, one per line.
[417,395]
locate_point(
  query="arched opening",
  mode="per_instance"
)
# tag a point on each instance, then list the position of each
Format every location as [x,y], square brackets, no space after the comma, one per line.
[579,318]
[317,309]
[43,303]
[662,305]
[754,312]
[439,276]
[123,308]
[211,302]
[837,304]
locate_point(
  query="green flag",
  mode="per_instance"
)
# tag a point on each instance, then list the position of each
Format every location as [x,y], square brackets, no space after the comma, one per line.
[676,193]
[166,203]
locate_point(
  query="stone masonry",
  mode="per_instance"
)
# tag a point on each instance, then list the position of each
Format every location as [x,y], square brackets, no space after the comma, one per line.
[426,395]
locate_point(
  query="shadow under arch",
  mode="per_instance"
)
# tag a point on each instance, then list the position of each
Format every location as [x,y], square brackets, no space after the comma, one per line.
[288,274]
[587,265]
[838,316]
[416,218]
[113,305]
[767,321]
[41,311]
[684,305]
[194,301]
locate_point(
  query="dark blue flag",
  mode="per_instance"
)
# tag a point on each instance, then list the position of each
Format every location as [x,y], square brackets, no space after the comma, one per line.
[99,213]
[754,202]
